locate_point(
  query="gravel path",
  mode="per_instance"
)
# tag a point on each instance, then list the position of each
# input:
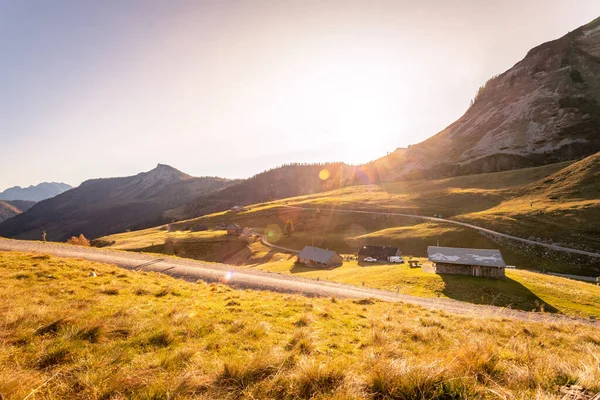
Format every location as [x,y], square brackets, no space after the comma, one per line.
[246,278]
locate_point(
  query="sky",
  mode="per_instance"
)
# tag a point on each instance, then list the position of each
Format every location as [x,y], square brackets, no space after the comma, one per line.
[230,88]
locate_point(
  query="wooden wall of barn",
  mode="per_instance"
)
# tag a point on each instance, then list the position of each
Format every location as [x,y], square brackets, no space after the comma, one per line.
[473,270]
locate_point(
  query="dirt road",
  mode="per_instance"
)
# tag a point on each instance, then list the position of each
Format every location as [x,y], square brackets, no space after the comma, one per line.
[246,278]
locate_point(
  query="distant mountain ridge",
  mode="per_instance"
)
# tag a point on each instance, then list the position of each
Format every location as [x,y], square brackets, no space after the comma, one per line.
[103,206]
[42,191]
[279,183]
[543,110]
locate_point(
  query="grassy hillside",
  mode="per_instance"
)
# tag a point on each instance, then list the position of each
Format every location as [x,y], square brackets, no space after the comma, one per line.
[9,209]
[278,183]
[213,246]
[522,290]
[559,200]
[123,334]
[563,207]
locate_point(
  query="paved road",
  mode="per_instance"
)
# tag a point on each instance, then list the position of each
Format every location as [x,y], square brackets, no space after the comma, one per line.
[449,221]
[264,240]
[247,278]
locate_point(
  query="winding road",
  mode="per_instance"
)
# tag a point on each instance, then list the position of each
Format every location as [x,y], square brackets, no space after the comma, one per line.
[247,278]
[449,221]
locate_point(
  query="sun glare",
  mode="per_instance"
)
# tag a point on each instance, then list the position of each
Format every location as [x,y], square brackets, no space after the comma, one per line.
[324,174]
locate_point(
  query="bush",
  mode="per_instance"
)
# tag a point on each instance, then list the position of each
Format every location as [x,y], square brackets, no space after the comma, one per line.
[576,76]
[288,230]
[79,241]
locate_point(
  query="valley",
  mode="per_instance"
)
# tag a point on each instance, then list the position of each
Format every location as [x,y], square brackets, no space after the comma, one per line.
[465,265]
[323,219]
[320,220]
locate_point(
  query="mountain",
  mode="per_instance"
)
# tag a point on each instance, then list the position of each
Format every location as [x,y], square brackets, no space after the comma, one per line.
[9,209]
[545,109]
[103,206]
[43,191]
[279,183]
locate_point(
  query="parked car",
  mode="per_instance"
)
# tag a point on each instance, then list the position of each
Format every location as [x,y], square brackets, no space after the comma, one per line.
[396,259]
[370,259]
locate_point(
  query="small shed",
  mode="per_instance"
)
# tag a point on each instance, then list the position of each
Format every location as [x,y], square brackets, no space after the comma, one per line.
[316,257]
[379,252]
[234,229]
[461,261]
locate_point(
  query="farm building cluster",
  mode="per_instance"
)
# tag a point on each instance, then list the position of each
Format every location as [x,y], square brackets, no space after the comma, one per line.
[444,260]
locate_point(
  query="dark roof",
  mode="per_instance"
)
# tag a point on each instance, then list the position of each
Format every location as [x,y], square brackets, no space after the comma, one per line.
[316,254]
[378,251]
[454,255]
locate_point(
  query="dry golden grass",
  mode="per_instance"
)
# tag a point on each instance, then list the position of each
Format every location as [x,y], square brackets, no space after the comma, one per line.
[121,334]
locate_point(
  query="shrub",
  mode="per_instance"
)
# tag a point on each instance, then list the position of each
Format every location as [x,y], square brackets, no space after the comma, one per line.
[288,230]
[79,241]
[576,76]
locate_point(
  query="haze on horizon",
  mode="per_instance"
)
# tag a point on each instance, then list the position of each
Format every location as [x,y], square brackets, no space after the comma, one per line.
[231,88]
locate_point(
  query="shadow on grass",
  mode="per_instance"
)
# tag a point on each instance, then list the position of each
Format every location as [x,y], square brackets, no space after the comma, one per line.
[298,268]
[497,292]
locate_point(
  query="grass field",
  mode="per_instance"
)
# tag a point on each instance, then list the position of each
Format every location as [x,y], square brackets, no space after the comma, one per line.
[523,290]
[122,334]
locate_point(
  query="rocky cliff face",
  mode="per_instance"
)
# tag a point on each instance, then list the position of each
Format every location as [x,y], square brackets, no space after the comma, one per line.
[544,109]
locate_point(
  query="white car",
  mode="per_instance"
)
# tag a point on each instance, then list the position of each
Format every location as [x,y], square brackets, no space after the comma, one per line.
[370,259]
[396,259]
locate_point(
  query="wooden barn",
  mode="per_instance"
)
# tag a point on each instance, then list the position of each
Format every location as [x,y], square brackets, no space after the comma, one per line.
[316,257]
[381,253]
[474,262]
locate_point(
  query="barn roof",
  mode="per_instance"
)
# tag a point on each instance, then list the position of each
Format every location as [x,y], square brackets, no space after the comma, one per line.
[316,254]
[377,251]
[454,255]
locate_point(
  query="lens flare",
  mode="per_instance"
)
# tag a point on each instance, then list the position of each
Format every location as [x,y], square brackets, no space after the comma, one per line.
[273,233]
[227,277]
[324,174]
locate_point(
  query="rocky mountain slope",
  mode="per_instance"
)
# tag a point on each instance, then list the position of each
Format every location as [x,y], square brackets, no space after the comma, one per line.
[545,109]
[42,191]
[103,206]
[9,209]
